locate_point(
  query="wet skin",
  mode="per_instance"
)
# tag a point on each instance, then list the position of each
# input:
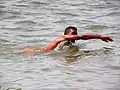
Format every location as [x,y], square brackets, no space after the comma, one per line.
[69,37]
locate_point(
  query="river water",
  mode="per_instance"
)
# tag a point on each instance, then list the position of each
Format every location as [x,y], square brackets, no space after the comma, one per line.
[37,22]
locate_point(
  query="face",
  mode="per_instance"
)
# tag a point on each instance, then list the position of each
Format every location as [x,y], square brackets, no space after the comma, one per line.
[72,32]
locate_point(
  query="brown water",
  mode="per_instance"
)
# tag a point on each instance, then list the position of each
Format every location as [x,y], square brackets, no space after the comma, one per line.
[37,22]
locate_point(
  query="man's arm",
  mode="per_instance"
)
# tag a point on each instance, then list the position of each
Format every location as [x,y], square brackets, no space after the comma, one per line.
[51,45]
[54,43]
[95,36]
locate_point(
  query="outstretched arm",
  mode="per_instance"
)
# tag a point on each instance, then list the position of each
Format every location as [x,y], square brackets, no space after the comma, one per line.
[51,45]
[95,36]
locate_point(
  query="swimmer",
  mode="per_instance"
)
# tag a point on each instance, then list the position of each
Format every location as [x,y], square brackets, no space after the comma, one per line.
[69,37]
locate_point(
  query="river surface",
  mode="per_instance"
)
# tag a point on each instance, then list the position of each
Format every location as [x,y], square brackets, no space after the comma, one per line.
[38,22]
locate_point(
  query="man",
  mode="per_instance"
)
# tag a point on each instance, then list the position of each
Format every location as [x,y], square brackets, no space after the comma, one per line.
[69,37]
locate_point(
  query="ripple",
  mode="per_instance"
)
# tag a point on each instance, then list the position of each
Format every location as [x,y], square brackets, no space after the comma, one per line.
[67,14]
[113,13]
[22,5]
[114,67]
[26,22]
[39,3]
[97,27]
[2,12]
[2,6]
[3,40]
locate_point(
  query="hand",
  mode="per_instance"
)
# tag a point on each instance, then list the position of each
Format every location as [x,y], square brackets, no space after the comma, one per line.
[106,38]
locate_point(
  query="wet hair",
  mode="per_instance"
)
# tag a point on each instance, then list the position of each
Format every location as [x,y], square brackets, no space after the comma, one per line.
[68,29]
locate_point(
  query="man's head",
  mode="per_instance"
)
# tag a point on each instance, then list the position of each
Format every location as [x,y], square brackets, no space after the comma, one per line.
[71,30]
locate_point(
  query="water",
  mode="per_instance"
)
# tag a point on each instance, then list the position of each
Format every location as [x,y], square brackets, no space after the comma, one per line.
[37,22]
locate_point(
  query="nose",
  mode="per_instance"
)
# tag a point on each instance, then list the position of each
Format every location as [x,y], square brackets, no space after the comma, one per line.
[71,32]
